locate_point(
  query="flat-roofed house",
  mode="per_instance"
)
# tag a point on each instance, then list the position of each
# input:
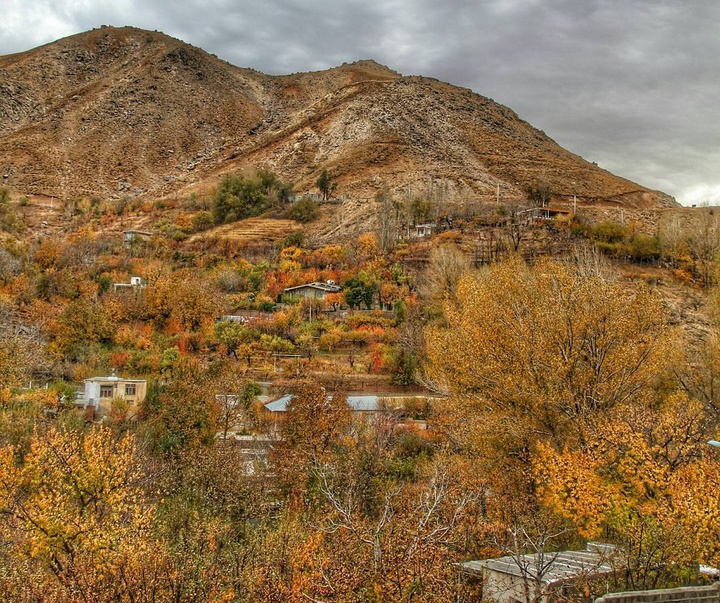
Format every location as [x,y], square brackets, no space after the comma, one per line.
[100,392]
[129,236]
[136,283]
[542,577]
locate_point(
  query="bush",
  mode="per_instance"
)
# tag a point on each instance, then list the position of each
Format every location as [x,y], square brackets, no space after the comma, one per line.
[294,239]
[305,210]
[644,247]
[202,221]
[610,232]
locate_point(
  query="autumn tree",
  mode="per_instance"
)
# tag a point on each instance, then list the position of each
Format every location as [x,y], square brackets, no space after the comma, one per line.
[702,237]
[314,421]
[543,353]
[446,265]
[234,395]
[84,322]
[74,508]
[21,348]
[10,265]
[644,483]
[539,192]
[388,217]
[389,501]
[182,414]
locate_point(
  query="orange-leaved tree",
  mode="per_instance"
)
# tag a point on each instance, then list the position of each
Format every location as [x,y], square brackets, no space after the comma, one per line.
[645,484]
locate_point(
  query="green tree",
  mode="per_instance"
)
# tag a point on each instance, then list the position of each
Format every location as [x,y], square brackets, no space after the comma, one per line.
[305,210]
[326,185]
[357,292]
[241,196]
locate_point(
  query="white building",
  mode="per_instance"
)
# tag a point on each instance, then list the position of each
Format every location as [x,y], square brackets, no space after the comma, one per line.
[100,393]
[542,577]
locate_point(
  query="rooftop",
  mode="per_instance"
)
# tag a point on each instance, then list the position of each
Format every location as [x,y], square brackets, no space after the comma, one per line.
[551,568]
[357,403]
[113,378]
[328,287]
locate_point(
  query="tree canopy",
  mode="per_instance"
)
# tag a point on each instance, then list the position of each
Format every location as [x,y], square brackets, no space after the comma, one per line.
[248,194]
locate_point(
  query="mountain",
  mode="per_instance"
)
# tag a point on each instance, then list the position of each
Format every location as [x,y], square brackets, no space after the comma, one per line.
[123,112]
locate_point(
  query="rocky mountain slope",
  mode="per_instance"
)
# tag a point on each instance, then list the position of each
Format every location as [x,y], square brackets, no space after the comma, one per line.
[123,112]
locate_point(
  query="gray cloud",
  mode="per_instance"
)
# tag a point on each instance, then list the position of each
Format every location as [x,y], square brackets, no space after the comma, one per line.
[630,84]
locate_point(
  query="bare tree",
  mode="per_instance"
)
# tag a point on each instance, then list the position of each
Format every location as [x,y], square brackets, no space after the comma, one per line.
[445,267]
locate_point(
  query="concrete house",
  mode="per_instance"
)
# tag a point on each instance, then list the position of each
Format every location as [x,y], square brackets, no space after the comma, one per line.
[422,230]
[684,594]
[100,392]
[274,412]
[314,290]
[136,282]
[541,578]
[541,215]
[129,236]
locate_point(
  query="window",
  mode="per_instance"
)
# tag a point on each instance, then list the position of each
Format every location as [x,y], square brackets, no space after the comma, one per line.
[130,390]
[106,391]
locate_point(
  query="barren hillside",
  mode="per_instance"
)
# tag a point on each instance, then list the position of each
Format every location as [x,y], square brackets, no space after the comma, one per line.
[122,112]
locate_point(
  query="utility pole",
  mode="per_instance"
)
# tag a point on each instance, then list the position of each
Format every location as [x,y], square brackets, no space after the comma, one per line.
[574,198]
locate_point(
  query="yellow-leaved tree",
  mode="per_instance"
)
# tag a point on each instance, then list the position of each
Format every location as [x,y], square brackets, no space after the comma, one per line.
[542,352]
[73,513]
[538,354]
[645,484]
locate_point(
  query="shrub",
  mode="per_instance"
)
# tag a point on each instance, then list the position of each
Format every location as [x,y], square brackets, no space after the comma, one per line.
[305,210]
[202,221]
[610,232]
[644,247]
[294,239]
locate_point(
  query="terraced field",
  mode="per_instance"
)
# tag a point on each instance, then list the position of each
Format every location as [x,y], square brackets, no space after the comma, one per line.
[250,231]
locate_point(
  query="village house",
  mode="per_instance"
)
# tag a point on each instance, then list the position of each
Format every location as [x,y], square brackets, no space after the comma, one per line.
[543,577]
[422,230]
[136,282]
[317,290]
[273,412]
[684,594]
[362,406]
[542,215]
[362,403]
[100,392]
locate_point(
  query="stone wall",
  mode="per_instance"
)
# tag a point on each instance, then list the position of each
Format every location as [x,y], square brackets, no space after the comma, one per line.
[702,594]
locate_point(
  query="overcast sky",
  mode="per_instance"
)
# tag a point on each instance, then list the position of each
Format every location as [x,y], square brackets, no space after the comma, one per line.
[633,85]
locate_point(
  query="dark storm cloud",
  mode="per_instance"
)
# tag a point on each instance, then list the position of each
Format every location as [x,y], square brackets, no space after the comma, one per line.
[630,84]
